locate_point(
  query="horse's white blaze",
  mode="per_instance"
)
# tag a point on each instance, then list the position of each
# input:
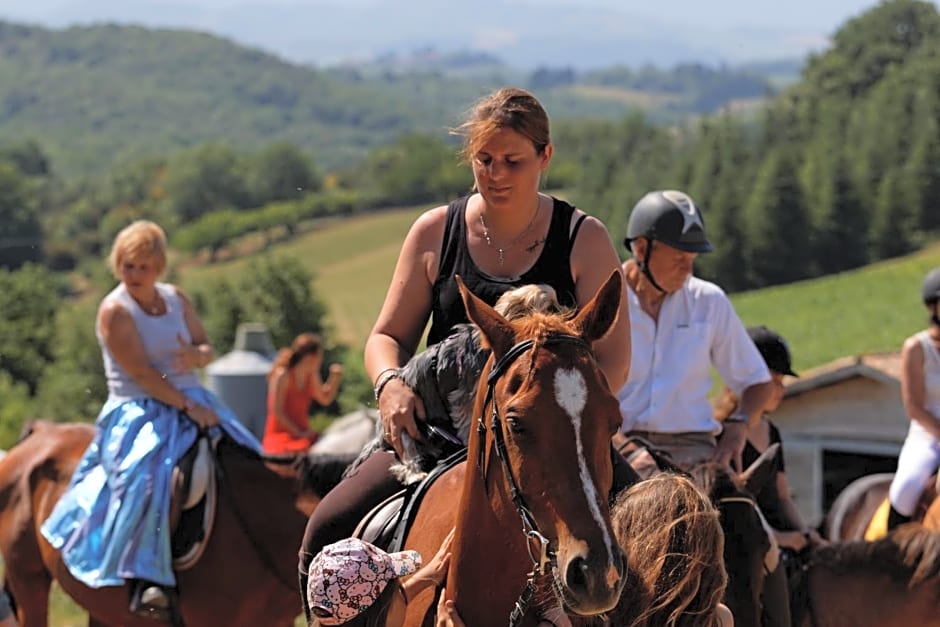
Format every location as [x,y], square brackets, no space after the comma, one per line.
[571,395]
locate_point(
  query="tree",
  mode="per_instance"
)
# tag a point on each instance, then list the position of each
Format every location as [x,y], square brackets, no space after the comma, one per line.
[893,223]
[281,172]
[31,296]
[841,234]
[28,157]
[206,178]
[776,224]
[73,386]
[20,232]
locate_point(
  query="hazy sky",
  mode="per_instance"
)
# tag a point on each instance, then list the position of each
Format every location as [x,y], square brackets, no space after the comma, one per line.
[527,31]
[822,15]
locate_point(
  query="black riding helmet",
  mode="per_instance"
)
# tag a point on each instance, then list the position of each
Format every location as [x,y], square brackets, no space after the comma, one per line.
[930,290]
[670,217]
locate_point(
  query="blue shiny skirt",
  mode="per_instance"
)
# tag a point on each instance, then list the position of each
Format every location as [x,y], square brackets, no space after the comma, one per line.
[112,523]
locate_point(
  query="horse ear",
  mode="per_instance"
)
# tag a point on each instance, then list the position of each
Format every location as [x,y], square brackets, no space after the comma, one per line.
[597,317]
[496,330]
[761,471]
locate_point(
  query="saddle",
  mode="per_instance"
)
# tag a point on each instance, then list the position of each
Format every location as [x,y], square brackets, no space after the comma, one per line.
[387,525]
[878,525]
[192,503]
[646,459]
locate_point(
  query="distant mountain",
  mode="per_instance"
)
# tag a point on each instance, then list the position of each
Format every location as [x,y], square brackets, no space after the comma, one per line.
[93,96]
[525,34]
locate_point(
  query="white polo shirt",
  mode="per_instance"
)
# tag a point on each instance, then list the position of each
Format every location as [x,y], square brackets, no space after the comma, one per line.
[670,369]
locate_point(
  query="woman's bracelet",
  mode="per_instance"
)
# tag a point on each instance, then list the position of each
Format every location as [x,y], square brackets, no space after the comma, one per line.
[384,377]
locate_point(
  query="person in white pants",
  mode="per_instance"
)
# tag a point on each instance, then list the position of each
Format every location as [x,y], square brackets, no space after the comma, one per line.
[920,392]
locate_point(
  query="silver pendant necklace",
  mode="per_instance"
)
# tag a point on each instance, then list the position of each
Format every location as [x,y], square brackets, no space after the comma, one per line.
[501,250]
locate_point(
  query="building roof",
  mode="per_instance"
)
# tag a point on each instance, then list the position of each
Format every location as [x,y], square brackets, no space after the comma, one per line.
[883,367]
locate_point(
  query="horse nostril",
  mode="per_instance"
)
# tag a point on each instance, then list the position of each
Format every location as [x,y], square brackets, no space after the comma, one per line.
[576,575]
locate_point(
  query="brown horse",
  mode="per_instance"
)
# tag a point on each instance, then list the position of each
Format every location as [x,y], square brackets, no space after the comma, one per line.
[891,582]
[533,495]
[246,575]
[859,502]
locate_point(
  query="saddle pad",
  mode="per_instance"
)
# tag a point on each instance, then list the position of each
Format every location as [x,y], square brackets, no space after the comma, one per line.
[387,525]
[878,525]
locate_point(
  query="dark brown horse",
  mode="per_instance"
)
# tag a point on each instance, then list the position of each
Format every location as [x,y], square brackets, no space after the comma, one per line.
[749,550]
[533,495]
[246,575]
[891,582]
[859,502]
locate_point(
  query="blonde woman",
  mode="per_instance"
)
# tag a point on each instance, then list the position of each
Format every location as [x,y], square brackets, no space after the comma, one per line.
[112,524]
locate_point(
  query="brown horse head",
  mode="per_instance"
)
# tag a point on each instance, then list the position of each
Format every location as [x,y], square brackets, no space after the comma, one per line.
[542,446]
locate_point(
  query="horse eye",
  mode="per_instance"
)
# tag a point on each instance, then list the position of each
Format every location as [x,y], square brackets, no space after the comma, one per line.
[516,427]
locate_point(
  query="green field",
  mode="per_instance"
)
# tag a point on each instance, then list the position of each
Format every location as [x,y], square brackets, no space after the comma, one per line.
[352,262]
[866,310]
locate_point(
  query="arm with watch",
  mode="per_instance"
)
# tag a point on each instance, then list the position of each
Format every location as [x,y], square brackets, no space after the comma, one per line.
[734,427]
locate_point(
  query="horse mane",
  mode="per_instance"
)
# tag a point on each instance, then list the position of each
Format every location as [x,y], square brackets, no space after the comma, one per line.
[316,472]
[910,553]
[539,327]
[715,480]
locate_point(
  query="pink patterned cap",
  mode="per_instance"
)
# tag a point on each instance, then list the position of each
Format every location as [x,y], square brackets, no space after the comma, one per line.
[347,577]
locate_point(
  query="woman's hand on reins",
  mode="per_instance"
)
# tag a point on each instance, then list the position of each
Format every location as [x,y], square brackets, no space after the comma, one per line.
[731,446]
[398,406]
[203,416]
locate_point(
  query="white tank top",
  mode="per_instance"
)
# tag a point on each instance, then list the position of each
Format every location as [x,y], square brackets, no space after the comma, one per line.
[158,334]
[931,373]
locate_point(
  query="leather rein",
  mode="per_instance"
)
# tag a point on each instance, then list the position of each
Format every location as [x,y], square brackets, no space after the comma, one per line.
[542,558]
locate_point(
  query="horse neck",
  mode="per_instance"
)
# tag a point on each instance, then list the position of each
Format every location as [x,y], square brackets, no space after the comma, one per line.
[266,499]
[489,545]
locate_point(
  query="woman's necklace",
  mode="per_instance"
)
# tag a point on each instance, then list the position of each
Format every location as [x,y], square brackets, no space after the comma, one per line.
[154,307]
[501,250]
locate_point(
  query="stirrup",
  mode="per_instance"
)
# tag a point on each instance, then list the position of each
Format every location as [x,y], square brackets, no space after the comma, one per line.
[151,601]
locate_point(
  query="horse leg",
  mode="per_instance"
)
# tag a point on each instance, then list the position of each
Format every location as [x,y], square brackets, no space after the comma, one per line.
[31,597]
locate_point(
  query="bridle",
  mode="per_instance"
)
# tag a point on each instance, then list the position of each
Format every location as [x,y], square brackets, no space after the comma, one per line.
[542,558]
[772,555]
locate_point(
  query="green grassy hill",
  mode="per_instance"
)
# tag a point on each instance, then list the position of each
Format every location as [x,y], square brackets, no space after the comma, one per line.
[870,309]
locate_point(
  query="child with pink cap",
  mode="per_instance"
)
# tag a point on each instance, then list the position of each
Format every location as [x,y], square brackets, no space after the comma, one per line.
[352,582]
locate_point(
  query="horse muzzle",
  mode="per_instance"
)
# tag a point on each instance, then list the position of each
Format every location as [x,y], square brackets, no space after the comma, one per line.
[590,581]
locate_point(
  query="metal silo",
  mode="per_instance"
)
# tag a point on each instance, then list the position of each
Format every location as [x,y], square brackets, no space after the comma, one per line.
[239,378]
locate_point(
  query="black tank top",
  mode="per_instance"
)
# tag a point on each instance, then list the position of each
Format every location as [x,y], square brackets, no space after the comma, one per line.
[553,267]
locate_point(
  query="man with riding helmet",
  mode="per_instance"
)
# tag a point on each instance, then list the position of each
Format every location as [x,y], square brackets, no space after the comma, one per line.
[681,326]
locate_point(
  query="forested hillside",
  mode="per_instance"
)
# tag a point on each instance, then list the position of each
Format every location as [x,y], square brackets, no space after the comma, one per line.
[95,96]
[842,169]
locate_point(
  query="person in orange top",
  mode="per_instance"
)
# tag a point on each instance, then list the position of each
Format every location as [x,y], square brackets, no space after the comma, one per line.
[294,381]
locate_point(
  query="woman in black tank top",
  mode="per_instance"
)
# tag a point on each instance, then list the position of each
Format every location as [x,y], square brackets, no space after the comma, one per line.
[504,235]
